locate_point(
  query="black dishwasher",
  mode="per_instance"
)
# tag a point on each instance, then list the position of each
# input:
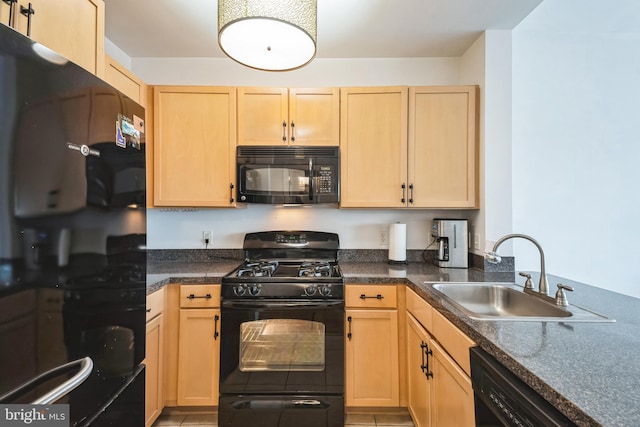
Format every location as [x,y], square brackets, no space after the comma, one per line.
[502,399]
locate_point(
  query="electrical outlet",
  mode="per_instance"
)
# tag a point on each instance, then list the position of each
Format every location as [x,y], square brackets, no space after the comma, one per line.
[207,235]
[383,237]
[476,242]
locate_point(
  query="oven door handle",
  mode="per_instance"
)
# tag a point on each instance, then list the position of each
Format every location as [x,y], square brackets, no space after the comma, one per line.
[86,366]
[282,304]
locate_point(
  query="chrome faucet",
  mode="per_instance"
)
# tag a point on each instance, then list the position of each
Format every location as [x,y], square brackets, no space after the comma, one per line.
[493,258]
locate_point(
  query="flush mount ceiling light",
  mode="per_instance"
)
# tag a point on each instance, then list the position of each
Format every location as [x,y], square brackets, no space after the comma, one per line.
[272,35]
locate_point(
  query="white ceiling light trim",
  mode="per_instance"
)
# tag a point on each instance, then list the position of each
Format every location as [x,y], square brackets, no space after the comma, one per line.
[272,35]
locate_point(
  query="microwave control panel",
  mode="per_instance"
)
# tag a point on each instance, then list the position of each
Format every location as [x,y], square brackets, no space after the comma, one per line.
[325,179]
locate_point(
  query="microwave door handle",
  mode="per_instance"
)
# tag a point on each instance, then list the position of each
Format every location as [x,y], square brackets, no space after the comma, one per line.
[310,179]
[86,366]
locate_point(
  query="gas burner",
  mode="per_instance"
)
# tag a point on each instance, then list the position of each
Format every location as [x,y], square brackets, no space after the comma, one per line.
[314,269]
[258,269]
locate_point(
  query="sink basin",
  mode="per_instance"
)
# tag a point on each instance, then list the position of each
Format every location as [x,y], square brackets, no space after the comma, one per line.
[507,301]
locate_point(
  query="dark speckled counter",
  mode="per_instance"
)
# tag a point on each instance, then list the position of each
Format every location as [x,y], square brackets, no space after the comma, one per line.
[589,371]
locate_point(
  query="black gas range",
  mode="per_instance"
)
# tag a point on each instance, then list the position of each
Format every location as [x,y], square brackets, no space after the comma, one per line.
[282,337]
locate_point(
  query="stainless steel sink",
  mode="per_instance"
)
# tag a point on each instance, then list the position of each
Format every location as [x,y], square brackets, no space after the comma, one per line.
[507,301]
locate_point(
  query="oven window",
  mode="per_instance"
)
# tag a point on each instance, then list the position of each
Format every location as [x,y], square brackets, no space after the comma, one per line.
[282,345]
[276,180]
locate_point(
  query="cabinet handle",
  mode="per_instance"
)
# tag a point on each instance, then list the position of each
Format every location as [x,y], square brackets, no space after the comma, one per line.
[293,133]
[148,310]
[311,190]
[284,131]
[231,187]
[423,366]
[404,191]
[216,334]
[11,4]
[427,352]
[349,334]
[192,296]
[411,193]
[27,11]
[363,296]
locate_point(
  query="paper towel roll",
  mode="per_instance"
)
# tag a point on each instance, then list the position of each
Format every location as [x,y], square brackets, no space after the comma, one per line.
[398,243]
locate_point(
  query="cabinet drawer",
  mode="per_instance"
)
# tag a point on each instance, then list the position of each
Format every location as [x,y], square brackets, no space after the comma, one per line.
[371,296]
[155,304]
[420,309]
[199,296]
[454,341]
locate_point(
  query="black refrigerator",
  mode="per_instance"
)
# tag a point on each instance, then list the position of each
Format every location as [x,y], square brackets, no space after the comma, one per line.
[72,240]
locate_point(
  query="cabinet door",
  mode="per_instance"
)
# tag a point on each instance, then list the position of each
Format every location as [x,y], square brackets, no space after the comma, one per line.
[194,146]
[4,13]
[153,376]
[198,357]
[125,81]
[373,142]
[443,147]
[73,28]
[419,392]
[263,116]
[372,358]
[314,116]
[452,393]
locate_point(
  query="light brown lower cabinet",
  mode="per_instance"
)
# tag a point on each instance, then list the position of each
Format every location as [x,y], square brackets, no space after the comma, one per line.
[154,400]
[439,389]
[199,346]
[371,346]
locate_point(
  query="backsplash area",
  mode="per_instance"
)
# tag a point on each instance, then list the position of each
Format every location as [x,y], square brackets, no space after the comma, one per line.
[357,228]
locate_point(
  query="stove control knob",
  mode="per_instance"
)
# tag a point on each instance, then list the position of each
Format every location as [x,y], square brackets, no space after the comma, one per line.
[310,290]
[240,290]
[325,291]
[254,290]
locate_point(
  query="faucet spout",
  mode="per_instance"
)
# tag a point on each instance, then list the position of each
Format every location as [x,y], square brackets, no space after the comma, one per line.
[493,257]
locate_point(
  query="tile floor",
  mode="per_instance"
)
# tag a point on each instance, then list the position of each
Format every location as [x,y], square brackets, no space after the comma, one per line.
[399,419]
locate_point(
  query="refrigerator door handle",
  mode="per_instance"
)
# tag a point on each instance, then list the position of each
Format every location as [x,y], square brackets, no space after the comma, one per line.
[86,366]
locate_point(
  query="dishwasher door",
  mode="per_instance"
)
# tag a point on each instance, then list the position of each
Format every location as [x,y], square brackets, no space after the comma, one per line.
[502,399]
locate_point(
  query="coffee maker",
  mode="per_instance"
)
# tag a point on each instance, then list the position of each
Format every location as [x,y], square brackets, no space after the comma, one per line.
[452,239]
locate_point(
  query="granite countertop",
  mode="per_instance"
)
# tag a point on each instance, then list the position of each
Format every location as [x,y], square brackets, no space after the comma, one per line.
[589,371]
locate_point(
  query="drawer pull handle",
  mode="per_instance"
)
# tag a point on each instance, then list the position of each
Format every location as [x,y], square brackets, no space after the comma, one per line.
[363,296]
[148,310]
[192,296]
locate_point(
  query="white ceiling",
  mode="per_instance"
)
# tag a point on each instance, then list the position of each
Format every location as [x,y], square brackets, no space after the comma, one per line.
[346,28]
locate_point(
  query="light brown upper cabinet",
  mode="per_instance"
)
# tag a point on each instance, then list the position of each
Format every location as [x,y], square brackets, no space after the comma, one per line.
[409,147]
[73,28]
[280,116]
[118,76]
[5,13]
[373,147]
[443,147]
[194,146]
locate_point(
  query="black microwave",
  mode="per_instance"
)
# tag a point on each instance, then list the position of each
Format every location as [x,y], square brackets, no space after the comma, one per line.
[288,175]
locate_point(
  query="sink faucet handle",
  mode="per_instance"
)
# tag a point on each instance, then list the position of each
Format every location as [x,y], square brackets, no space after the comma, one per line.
[561,297]
[528,284]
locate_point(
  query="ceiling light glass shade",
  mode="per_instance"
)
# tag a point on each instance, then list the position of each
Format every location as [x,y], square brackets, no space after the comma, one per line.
[273,35]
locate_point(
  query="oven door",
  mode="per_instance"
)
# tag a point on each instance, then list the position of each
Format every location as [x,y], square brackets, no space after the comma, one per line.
[282,347]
